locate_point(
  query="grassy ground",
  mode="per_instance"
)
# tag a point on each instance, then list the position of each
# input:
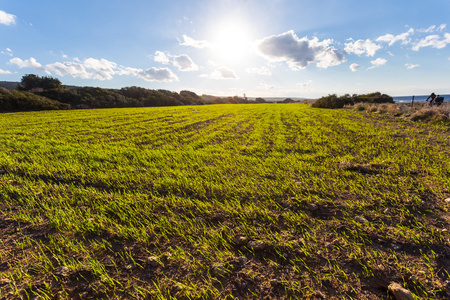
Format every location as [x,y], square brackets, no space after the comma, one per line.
[222,202]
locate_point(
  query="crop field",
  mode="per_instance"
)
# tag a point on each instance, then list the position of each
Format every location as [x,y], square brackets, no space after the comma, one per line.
[257,201]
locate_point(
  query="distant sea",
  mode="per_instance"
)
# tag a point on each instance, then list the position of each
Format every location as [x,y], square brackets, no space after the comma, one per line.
[418,98]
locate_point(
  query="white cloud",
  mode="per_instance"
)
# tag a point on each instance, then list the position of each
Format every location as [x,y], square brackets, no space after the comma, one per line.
[261,71]
[411,66]
[7,19]
[7,51]
[4,72]
[354,67]
[392,39]
[299,53]
[435,41]
[93,68]
[377,63]
[433,28]
[306,86]
[28,63]
[184,63]
[329,57]
[223,73]
[101,69]
[427,30]
[161,57]
[360,47]
[72,69]
[188,41]
[186,19]
[155,74]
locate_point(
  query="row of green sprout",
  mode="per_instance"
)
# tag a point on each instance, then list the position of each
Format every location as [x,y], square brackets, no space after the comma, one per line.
[195,178]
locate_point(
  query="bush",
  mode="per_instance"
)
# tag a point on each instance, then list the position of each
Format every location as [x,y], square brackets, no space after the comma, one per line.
[422,114]
[20,101]
[333,101]
[3,91]
[360,107]
[376,97]
[431,114]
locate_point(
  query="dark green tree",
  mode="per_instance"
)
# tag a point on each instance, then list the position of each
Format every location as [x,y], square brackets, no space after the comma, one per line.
[31,81]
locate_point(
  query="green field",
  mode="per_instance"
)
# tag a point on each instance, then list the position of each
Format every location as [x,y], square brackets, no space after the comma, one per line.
[272,201]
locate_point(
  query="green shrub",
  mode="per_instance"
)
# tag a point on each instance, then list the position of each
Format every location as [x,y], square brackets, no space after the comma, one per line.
[21,101]
[376,97]
[360,107]
[333,101]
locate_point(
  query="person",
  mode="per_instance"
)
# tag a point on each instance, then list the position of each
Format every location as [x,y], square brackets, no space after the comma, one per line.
[432,97]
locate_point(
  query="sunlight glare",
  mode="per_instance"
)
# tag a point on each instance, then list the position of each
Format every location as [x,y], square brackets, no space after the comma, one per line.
[231,41]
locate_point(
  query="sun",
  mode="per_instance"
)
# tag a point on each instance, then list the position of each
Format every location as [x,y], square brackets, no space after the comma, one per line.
[231,41]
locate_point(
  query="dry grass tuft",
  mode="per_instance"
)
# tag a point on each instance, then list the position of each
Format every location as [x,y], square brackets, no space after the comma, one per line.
[420,111]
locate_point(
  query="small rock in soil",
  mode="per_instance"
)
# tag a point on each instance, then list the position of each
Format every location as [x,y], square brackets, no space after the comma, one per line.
[219,270]
[152,261]
[256,245]
[399,292]
[361,219]
[396,247]
[240,240]
[62,271]
[109,262]
[446,200]
[243,260]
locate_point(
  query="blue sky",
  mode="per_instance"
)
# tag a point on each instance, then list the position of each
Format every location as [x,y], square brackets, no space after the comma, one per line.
[262,48]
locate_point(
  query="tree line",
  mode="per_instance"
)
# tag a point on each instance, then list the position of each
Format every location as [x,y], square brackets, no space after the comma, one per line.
[47,93]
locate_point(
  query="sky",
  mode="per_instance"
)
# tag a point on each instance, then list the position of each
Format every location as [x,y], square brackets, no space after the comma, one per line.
[260,48]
